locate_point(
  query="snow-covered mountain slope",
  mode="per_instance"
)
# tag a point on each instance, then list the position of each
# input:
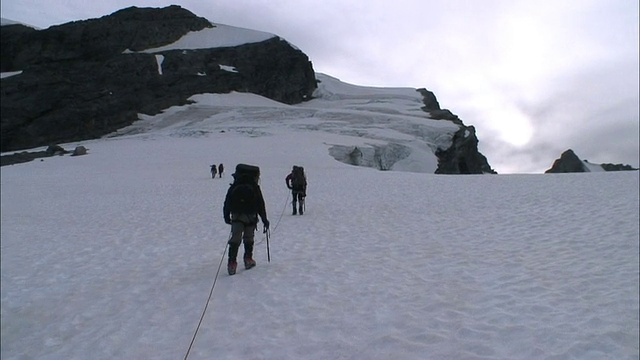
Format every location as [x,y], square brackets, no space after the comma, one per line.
[218,36]
[113,255]
[4,22]
[385,124]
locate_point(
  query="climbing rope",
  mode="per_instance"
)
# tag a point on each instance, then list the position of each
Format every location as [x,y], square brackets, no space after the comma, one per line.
[204,311]
[284,208]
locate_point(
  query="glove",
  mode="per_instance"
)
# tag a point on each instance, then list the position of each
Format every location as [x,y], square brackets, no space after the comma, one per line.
[227,221]
[266,224]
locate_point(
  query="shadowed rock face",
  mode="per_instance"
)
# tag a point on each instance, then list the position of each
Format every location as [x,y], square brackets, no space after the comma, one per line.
[463,156]
[569,162]
[617,167]
[78,83]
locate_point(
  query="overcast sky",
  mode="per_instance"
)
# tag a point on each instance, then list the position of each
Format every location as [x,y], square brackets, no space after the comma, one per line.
[535,77]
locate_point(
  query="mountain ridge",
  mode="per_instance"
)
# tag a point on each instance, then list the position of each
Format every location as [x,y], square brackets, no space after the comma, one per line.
[98,76]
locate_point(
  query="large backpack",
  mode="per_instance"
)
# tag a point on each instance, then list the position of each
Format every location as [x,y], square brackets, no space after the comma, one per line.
[298,180]
[243,198]
[251,171]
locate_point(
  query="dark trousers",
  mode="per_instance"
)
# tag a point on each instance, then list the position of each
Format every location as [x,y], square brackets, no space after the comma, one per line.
[241,233]
[298,197]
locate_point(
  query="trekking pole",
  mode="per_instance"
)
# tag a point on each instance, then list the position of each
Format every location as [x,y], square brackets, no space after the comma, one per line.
[268,253]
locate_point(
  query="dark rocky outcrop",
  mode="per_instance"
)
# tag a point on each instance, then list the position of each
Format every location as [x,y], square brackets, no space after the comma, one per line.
[133,28]
[463,156]
[432,106]
[22,157]
[617,167]
[569,162]
[429,100]
[55,150]
[26,156]
[78,82]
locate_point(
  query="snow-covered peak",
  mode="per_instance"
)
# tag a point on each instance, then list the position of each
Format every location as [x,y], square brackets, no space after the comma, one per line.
[383,100]
[4,22]
[331,87]
[218,36]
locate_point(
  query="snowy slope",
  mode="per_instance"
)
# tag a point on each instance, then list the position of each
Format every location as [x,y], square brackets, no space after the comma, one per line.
[219,35]
[113,255]
[349,115]
[590,167]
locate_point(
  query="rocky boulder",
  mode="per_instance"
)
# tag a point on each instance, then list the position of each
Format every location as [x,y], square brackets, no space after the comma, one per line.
[79,150]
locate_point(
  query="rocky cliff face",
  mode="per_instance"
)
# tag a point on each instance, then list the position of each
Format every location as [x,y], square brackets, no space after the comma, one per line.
[79,82]
[463,156]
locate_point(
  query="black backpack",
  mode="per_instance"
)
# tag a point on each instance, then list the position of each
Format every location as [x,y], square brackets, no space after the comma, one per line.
[243,198]
[298,180]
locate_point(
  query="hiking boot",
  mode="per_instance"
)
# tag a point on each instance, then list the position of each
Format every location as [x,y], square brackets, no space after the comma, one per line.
[295,212]
[300,211]
[249,263]
[231,267]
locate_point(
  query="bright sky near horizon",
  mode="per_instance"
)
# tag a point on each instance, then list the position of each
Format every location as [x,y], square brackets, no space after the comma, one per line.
[534,77]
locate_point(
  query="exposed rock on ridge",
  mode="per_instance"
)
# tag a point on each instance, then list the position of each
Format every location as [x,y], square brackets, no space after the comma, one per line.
[76,82]
[463,156]
[569,162]
[133,28]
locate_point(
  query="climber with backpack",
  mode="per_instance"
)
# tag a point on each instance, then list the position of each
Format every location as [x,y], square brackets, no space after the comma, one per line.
[297,183]
[242,206]
[214,171]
